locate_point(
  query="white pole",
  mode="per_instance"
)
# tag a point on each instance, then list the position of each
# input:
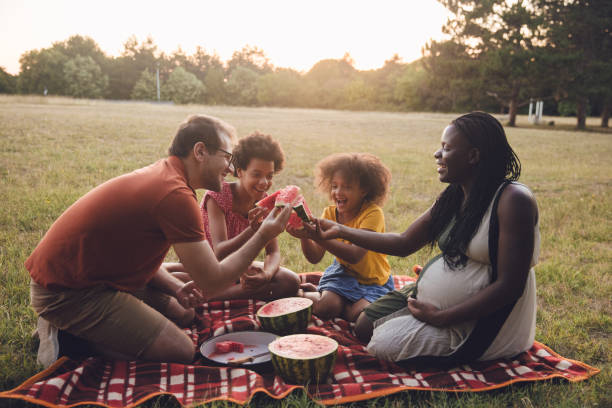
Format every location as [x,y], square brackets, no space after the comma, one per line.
[158,82]
[541,111]
[530,117]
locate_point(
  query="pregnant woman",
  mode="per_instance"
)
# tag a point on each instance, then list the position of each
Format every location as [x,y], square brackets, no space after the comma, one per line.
[476,300]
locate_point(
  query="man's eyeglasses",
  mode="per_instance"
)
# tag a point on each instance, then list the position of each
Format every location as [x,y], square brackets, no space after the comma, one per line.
[228,156]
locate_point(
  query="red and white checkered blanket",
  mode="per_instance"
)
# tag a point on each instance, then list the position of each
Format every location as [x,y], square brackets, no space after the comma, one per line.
[356,375]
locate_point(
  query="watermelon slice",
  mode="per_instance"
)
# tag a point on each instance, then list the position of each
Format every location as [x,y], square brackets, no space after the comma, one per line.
[303,358]
[288,195]
[228,346]
[268,202]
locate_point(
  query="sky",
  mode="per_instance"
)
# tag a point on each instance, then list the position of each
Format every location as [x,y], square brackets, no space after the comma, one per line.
[292,33]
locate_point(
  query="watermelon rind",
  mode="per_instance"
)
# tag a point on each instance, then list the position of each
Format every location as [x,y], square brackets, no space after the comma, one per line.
[313,370]
[301,212]
[286,323]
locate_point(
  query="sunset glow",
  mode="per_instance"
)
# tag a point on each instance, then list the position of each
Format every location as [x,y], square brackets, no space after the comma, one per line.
[294,34]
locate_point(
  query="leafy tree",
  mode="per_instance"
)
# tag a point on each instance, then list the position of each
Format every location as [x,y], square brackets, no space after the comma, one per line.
[183,87]
[327,80]
[8,82]
[251,58]
[125,70]
[411,88]
[579,43]
[242,87]
[383,82]
[504,37]
[453,80]
[84,78]
[78,45]
[145,88]
[42,69]
[214,81]
[279,88]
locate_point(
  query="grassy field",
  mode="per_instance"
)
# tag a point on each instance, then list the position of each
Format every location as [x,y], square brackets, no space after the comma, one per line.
[53,150]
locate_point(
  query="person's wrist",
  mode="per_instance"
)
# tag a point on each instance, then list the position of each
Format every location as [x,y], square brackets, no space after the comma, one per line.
[263,234]
[341,231]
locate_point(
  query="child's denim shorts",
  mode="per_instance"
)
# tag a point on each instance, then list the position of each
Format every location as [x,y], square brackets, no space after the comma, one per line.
[336,280]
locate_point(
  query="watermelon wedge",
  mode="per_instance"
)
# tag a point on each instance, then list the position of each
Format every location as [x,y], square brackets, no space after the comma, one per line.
[269,201]
[288,195]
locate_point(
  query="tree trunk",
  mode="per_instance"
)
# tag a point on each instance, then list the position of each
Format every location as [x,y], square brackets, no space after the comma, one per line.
[581,103]
[605,114]
[512,112]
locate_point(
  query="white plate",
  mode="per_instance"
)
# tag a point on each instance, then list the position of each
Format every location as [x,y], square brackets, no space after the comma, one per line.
[255,342]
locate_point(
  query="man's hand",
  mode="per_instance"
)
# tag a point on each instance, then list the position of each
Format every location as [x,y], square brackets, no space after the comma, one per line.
[275,222]
[256,216]
[254,278]
[426,312]
[189,295]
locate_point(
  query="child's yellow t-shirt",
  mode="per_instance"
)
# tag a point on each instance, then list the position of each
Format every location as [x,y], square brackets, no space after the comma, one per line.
[373,269]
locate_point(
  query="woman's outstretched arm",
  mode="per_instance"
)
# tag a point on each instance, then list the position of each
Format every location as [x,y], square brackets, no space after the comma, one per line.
[404,244]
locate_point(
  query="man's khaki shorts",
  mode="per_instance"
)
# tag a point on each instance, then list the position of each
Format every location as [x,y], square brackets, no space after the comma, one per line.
[111,319]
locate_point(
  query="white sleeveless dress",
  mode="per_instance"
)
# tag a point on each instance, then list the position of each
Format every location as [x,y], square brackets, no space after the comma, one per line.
[400,336]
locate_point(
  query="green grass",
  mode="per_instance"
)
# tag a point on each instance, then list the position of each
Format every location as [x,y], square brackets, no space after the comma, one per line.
[53,150]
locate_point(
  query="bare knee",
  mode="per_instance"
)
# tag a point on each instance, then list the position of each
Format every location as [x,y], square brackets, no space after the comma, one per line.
[364,328]
[171,345]
[328,306]
[287,283]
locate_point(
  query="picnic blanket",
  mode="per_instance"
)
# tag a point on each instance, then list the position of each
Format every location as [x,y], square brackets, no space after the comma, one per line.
[356,376]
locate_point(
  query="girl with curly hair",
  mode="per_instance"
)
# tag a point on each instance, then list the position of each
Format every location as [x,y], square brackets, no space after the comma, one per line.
[231,218]
[357,184]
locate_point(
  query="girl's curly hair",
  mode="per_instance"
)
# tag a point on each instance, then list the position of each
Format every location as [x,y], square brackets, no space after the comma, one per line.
[260,146]
[365,168]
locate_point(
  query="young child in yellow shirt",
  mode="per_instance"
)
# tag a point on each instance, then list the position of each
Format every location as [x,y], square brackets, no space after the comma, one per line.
[357,184]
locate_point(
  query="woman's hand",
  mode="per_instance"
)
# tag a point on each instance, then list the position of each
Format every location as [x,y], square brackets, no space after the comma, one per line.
[189,295]
[326,229]
[254,278]
[303,233]
[426,312]
[256,216]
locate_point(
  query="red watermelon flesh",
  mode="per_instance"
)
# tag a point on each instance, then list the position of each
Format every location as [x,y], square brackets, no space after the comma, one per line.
[284,306]
[288,195]
[268,202]
[228,346]
[303,346]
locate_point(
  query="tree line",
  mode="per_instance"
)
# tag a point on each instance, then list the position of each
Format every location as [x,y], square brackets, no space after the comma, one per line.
[499,56]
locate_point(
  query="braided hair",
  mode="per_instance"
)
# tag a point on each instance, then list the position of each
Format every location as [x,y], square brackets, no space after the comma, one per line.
[497,163]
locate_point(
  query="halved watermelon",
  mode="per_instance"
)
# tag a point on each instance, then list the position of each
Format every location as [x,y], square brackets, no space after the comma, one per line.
[286,316]
[303,358]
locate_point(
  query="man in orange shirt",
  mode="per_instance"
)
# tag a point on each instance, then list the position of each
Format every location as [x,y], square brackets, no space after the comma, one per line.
[97,273]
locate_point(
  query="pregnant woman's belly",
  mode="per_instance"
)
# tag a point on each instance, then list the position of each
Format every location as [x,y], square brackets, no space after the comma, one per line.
[445,287]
